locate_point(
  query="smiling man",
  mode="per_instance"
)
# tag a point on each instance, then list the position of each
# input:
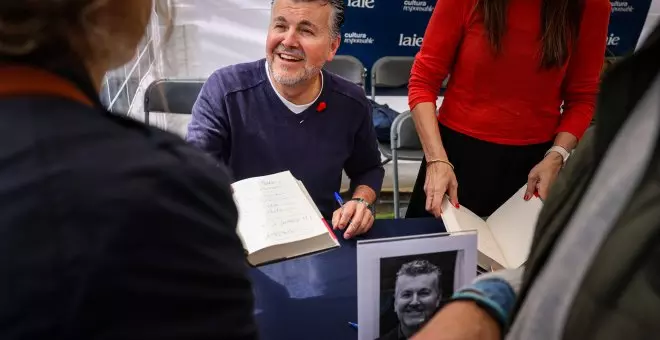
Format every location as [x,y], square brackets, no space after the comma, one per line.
[417,295]
[285,113]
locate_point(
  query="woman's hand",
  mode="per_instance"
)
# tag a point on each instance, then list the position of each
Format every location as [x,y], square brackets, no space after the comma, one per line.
[543,175]
[440,180]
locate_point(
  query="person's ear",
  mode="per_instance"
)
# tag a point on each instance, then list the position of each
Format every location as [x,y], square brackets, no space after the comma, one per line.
[394,301]
[334,46]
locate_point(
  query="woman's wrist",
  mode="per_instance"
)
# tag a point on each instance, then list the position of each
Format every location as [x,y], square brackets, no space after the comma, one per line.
[435,153]
[559,153]
[565,141]
[439,161]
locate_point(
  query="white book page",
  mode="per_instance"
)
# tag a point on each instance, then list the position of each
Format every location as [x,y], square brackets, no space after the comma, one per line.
[462,219]
[274,210]
[513,226]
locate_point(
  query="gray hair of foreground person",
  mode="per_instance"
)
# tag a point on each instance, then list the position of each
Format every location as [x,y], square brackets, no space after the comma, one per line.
[101,33]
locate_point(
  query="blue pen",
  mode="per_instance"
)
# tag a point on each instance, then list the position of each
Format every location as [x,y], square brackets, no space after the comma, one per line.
[339,200]
[353,324]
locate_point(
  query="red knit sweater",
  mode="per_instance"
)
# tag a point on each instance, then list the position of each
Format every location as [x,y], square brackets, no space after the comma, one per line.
[508,98]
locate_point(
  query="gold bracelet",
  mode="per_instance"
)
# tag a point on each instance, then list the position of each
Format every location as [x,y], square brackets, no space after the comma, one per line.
[439,161]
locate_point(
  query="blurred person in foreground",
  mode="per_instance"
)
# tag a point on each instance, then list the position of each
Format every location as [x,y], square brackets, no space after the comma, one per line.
[594,267]
[109,229]
[523,80]
[285,112]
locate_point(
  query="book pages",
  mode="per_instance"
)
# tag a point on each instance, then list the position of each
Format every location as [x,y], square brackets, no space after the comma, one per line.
[273,210]
[513,224]
[462,219]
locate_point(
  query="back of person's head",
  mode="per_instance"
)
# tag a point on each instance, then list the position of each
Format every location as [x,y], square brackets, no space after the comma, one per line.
[102,34]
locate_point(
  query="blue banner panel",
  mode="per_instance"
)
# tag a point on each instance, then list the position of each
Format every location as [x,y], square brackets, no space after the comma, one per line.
[379,28]
[626,23]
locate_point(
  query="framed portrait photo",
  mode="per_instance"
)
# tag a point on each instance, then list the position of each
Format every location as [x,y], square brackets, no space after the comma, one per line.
[403,282]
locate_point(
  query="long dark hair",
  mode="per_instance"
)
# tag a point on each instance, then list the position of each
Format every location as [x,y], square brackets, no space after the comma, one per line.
[560,26]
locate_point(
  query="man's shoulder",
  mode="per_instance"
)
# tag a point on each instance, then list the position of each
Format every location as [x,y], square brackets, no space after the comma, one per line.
[110,168]
[348,90]
[125,150]
[147,174]
[170,155]
[239,77]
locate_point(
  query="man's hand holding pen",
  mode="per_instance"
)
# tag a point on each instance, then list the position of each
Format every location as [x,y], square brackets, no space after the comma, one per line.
[355,216]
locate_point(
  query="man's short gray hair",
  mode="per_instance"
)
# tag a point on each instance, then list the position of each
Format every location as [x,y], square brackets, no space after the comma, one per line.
[337,18]
[418,267]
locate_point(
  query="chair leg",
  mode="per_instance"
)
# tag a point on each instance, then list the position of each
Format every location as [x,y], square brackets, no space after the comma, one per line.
[395,182]
[394,137]
[146,117]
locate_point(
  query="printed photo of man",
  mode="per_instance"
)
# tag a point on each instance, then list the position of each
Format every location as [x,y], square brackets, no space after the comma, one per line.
[417,297]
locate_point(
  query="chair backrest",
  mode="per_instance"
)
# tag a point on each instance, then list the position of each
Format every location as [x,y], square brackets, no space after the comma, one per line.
[403,128]
[348,67]
[391,72]
[171,96]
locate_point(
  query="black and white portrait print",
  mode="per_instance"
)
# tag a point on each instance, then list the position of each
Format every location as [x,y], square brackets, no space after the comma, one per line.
[412,289]
[404,281]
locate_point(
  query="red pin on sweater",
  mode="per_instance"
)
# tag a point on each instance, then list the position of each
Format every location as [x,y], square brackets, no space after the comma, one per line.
[321,107]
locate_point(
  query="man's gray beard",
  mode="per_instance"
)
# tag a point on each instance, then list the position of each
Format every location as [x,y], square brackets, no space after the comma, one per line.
[295,80]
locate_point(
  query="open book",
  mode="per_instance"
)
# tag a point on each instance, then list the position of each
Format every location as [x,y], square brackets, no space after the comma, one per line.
[504,239]
[278,220]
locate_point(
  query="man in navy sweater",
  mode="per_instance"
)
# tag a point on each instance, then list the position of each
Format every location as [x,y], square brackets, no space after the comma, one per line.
[285,113]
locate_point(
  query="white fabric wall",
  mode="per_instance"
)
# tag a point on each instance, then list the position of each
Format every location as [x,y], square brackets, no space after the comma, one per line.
[220,33]
[208,35]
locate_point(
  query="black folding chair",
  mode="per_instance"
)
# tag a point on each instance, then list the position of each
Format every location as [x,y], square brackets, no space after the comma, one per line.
[404,145]
[391,72]
[171,96]
[348,67]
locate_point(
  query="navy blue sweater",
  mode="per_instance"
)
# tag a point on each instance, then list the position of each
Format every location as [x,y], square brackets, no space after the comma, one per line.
[239,119]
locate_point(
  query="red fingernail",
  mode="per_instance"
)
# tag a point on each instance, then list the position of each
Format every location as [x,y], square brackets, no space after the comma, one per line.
[526,197]
[536,193]
[458,205]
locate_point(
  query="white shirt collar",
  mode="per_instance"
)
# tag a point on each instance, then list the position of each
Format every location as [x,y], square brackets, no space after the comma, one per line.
[291,106]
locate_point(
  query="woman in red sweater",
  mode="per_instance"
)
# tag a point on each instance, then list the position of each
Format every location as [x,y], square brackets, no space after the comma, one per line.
[512,64]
